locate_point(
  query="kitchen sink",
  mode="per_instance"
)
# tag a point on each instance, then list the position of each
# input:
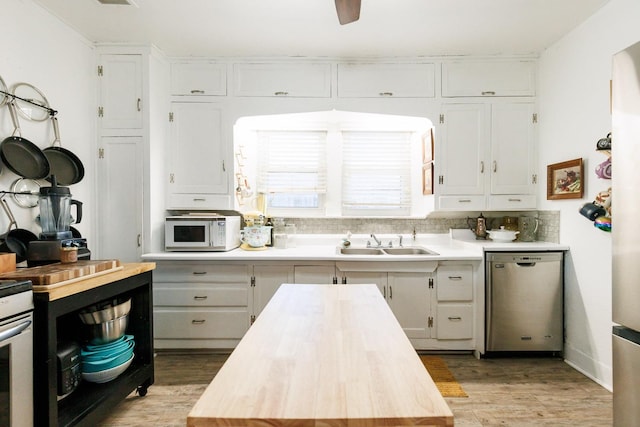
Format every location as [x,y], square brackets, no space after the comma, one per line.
[361,251]
[409,251]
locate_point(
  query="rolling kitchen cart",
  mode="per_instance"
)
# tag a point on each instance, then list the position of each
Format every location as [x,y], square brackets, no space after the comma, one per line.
[56,319]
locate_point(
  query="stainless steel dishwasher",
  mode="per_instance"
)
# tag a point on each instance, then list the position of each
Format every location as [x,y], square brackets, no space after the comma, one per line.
[524,301]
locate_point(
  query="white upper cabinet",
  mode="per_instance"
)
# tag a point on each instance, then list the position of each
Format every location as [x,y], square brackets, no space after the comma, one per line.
[197,167]
[394,80]
[312,80]
[486,157]
[488,78]
[120,80]
[198,79]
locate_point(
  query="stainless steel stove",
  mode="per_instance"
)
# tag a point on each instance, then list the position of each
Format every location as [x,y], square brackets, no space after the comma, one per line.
[16,353]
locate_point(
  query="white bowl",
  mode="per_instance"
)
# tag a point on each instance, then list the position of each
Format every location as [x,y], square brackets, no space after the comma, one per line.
[502,235]
[108,374]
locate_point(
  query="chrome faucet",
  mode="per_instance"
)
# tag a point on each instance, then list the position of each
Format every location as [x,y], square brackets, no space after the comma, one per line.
[400,240]
[378,242]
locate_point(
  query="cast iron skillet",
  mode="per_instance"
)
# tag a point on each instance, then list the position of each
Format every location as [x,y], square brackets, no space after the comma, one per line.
[22,156]
[65,165]
[18,239]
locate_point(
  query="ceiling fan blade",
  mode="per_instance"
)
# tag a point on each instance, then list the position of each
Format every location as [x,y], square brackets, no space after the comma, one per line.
[348,10]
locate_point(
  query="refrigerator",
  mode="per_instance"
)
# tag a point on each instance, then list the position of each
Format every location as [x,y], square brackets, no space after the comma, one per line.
[625,149]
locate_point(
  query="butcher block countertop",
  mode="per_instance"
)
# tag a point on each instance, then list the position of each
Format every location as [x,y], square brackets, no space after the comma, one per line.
[323,355]
[127,270]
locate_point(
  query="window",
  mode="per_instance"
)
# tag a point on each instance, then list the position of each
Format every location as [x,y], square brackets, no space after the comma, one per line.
[332,164]
[376,173]
[292,168]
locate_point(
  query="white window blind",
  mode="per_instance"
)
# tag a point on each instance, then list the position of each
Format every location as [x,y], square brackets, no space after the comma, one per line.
[292,167]
[376,173]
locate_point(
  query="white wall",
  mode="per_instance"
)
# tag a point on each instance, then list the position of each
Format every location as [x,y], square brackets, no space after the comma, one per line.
[574,105]
[36,48]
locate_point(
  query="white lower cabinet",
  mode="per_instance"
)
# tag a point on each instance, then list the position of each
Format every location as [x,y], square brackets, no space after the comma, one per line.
[204,304]
[201,304]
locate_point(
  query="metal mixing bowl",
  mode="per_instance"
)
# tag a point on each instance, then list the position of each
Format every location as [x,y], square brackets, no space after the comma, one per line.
[93,316]
[106,332]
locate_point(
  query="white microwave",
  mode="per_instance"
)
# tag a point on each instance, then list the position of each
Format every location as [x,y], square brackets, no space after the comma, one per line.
[200,233]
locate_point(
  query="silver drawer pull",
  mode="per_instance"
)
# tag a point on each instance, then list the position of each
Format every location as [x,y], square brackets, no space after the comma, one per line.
[455,318]
[197,322]
[386,94]
[197,91]
[515,200]
[455,277]
[281,93]
[464,200]
[200,297]
[199,273]
[488,92]
[200,199]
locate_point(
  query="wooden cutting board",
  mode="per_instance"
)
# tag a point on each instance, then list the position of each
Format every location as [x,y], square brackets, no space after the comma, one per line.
[58,272]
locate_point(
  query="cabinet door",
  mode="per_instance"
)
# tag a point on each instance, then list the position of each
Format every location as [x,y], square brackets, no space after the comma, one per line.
[120,183]
[315,274]
[462,150]
[386,80]
[454,322]
[512,148]
[268,279]
[488,78]
[409,297]
[366,277]
[198,79]
[197,153]
[283,80]
[455,283]
[120,105]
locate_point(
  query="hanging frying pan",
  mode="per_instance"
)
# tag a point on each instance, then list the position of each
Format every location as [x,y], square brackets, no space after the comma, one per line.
[22,156]
[30,102]
[65,165]
[18,239]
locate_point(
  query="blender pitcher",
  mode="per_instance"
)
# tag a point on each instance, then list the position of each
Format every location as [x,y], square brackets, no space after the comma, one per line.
[55,211]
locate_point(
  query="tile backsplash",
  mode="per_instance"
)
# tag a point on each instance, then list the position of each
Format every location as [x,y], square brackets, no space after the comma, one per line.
[548,230]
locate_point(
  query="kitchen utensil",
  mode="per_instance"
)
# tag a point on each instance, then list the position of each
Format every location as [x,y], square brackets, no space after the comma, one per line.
[22,156]
[52,274]
[107,374]
[256,236]
[25,192]
[478,226]
[18,239]
[91,317]
[31,102]
[55,211]
[502,235]
[528,227]
[65,165]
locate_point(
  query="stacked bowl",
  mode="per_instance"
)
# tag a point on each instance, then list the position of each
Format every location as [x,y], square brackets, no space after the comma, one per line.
[108,351]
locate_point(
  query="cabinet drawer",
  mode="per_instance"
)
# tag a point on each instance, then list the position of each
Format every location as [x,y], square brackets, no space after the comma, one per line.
[454,321]
[386,80]
[488,78]
[201,295]
[512,201]
[200,324]
[283,80]
[198,201]
[464,203]
[198,79]
[454,283]
[200,272]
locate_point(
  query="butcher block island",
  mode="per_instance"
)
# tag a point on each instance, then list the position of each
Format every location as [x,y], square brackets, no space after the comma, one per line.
[62,292]
[323,355]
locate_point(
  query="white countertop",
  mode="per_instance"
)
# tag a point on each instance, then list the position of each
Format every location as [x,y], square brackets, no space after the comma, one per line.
[456,245]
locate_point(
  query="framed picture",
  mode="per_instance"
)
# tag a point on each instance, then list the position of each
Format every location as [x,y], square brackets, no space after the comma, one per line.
[564,180]
[427,179]
[427,148]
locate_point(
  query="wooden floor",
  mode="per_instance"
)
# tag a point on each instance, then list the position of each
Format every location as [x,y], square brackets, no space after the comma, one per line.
[502,392]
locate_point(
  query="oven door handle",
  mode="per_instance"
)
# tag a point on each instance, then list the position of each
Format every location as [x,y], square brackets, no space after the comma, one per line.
[5,335]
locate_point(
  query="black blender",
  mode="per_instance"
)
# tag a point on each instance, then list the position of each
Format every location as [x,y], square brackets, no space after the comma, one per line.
[55,220]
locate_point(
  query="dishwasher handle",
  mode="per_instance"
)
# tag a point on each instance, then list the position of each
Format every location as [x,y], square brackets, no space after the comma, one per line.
[526,264]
